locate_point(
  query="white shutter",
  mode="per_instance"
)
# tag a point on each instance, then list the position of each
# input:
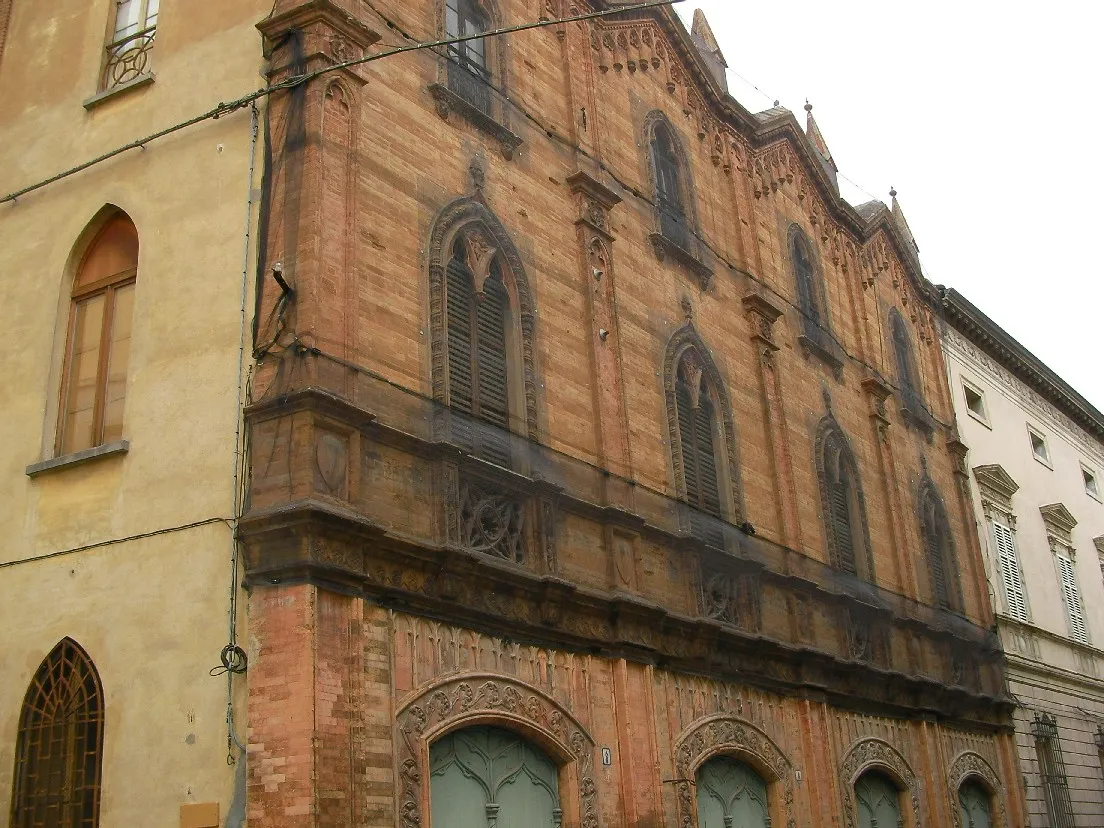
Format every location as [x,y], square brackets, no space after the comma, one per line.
[1009,564]
[1073,600]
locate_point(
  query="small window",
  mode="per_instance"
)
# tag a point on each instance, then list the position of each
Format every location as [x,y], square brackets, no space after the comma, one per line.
[1092,488]
[468,73]
[975,402]
[130,42]
[1039,446]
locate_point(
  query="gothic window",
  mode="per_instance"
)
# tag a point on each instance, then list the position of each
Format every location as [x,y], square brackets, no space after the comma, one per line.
[842,503]
[58,753]
[974,805]
[94,376]
[878,801]
[703,439]
[130,42]
[478,316]
[468,68]
[670,201]
[935,531]
[486,777]
[808,298]
[731,793]
[1052,769]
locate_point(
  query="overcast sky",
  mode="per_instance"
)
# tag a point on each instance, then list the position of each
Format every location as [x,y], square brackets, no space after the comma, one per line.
[985,116]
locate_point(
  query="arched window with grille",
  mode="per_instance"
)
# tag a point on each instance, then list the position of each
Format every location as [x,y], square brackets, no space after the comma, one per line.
[482,777]
[671,204]
[469,70]
[843,505]
[97,350]
[935,532]
[703,437]
[59,749]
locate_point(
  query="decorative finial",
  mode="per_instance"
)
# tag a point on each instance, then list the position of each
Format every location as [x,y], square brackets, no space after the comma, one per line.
[892,191]
[776,102]
[808,106]
[827,398]
[478,176]
[687,309]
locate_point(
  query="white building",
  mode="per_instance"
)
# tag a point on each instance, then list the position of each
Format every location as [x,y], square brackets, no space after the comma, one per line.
[1037,458]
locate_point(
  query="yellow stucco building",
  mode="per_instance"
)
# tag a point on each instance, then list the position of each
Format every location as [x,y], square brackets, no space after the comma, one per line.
[123,291]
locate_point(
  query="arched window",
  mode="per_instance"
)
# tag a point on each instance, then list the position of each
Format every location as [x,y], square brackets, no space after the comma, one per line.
[697,422]
[935,532]
[469,73]
[670,200]
[878,801]
[486,777]
[478,316]
[906,363]
[58,754]
[94,377]
[801,254]
[974,805]
[842,501]
[731,793]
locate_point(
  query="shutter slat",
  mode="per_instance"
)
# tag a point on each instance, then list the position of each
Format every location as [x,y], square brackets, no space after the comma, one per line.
[1073,600]
[459,299]
[1010,572]
[707,459]
[492,397]
[839,500]
[933,541]
[689,445]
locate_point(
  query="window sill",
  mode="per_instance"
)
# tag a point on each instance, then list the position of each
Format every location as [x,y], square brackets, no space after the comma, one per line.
[822,346]
[448,101]
[78,458]
[979,418]
[120,89]
[665,247]
[1042,462]
[917,416]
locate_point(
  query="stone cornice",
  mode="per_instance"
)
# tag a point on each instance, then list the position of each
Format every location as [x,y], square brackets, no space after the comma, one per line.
[1024,365]
[315,11]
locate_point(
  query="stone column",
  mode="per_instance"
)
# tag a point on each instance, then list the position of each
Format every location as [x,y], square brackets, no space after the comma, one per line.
[761,314]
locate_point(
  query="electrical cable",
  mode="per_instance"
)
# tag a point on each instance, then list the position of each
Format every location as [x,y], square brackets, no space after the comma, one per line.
[222,109]
[114,541]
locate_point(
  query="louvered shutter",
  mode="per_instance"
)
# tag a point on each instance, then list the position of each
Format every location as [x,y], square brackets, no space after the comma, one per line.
[707,458]
[803,268]
[492,399]
[1078,630]
[699,460]
[460,299]
[672,216]
[686,439]
[842,526]
[934,543]
[1010,572]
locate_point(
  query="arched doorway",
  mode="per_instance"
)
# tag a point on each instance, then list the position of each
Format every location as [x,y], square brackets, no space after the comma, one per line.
[878,800]
[487,777]
[731,795]
[974,805]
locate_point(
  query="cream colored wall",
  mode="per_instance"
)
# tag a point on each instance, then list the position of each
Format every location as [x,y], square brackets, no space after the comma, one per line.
[152,613]
[1011,406]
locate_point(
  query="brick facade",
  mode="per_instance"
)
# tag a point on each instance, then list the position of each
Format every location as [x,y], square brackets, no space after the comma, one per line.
[597,618]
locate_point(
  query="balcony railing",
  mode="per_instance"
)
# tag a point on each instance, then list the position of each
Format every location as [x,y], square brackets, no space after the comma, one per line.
[128,58]
[470,86]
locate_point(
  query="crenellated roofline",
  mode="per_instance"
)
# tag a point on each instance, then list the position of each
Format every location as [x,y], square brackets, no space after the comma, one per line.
[762,130]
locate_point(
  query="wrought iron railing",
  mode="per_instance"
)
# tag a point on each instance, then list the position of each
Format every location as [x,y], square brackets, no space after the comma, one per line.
[1052,769]
[128,58]
[470,86]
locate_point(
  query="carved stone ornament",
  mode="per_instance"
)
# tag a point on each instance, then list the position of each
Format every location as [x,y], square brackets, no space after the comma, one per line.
[996,487]
[733,599]
[728,736]
[875,754]
[481,699]
[492,523]
[331,459]
[972,767]
[1059,523]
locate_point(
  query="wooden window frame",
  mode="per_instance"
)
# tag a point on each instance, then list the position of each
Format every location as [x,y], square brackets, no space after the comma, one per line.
[107,287]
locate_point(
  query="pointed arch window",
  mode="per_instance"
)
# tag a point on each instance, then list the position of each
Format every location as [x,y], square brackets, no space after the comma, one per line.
[58,757]
[908,377]
[843,506]
[878,801]
[97,355]
[670,201]
[698,438]
[801,254]
[483,777]
[816,338]
[468,71]
[730,792]
[938,548]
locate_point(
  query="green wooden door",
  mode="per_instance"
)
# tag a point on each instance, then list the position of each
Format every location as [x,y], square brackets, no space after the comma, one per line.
[731,795]
[485,777]
[878,802]
[974,802]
